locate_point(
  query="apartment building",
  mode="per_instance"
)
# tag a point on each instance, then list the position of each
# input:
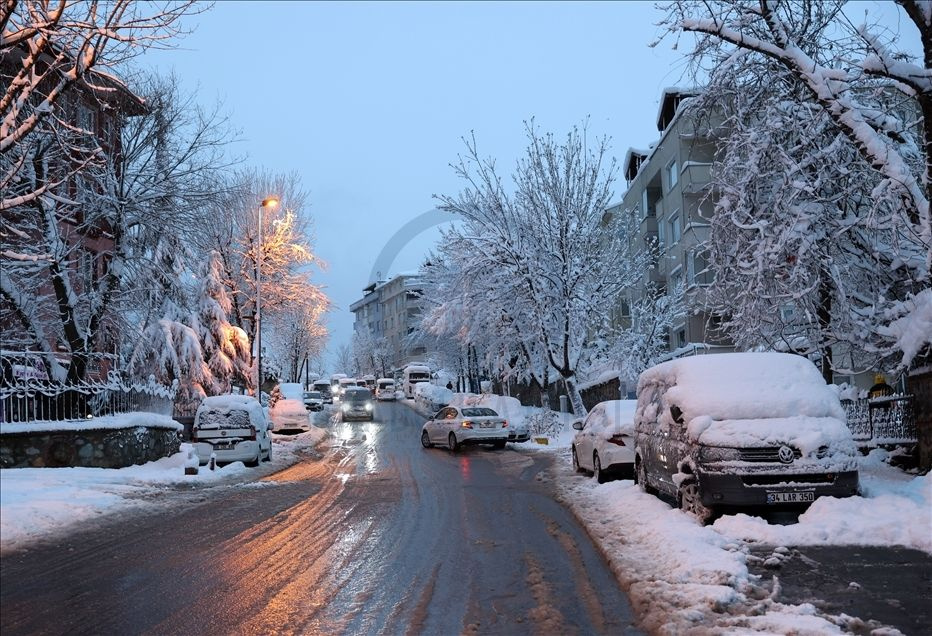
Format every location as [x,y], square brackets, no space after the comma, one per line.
[669,191]
[391,310]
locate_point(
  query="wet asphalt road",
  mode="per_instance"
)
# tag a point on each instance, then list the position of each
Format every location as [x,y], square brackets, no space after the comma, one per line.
[378,536]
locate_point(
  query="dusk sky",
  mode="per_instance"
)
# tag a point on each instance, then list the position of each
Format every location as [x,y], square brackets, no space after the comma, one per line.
[368,102]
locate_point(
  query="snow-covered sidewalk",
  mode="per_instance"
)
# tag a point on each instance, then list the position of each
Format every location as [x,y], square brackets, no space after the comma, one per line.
[681,575]
[40,503]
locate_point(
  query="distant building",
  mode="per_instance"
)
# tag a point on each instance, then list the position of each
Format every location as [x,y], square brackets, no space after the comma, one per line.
[670,194]
[391,310]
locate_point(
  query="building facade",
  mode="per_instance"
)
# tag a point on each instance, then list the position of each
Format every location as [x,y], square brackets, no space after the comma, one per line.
[669,191]
[391,310]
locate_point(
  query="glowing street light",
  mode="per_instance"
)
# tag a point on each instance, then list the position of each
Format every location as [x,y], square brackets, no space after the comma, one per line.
[270,203]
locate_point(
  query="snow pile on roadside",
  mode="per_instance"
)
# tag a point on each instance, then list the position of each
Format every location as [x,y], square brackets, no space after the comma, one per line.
[38,503]
[681,575]
[895,509]
[104,422]
[433,393]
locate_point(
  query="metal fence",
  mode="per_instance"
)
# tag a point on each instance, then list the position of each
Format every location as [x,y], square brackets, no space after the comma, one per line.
[28,395]
[883,420]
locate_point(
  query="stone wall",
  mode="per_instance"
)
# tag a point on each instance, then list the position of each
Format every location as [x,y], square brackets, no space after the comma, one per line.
[101,448]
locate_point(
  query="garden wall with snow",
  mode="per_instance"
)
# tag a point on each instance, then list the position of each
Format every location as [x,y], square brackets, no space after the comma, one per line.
[103,442]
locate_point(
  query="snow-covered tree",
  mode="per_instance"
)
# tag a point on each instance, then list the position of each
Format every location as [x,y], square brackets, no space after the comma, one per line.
[225,347]
[296,334]
[344,360]
[230,227]
[645,341]
[99,254]
[371,353]
[821,234]
[51,47]
[542,259]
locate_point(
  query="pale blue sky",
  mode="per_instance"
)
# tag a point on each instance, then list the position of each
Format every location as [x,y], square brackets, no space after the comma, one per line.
[368,101]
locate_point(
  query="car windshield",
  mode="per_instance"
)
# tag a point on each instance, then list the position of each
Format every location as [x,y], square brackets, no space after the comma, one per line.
[479,412]
[312,394]
[234,418]
[358,395]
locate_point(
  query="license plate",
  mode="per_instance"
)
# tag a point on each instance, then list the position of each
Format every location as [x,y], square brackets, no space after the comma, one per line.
[486,424]
[790,497]
[223,446]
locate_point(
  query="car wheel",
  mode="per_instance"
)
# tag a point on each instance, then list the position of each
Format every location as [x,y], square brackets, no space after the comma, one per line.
[597,471]
[268,454]
[576,466]
[425,440]
[451,442]
[254,462]
[499,445]
[690,501]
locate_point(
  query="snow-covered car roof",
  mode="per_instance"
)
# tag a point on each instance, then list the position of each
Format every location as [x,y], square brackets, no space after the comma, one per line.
[744,386]
[613,416]
[225,403]
[738,399]
[291,390]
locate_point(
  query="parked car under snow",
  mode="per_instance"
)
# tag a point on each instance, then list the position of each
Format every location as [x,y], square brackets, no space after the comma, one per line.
[739,430]
[233,428]
[604,443]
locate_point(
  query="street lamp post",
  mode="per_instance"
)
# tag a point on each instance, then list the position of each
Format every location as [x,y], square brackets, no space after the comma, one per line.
[268,202]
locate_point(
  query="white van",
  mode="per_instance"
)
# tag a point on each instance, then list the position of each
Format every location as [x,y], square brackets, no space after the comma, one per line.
[414,374]
[385,389]
[232,427]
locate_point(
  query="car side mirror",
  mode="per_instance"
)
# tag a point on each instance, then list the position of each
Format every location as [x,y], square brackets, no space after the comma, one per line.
[677,414]
[577,425]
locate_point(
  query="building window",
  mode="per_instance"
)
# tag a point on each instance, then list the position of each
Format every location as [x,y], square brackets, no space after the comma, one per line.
[676,280]
[674,220]
[660,235]
[644,204]
[672,175]
[87,119]
[787,313]
[697,268]
[681,336]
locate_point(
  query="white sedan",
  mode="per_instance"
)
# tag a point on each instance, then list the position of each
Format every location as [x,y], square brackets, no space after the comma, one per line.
[604,442]
[454,427]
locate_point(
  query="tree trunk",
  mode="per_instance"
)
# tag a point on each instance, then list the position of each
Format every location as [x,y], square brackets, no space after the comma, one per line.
[825,321]
[579,409]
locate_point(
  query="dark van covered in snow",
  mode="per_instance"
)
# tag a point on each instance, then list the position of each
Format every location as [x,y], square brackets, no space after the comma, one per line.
[740,430]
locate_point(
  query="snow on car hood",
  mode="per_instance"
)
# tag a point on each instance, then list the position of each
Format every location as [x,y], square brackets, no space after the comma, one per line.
[808,434]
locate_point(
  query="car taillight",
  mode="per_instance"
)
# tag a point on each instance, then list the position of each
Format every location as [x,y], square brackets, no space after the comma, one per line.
[616,439]
[193,434]
[466,424]
[504,423]
[252,432]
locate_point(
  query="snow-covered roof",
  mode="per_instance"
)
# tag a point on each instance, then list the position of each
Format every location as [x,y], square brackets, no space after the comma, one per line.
[669,104]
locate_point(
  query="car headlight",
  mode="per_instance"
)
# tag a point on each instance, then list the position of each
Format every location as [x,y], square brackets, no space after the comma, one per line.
[712,454]
[368,406]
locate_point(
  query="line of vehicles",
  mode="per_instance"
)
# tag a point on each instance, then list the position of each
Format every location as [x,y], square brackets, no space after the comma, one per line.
[236,428]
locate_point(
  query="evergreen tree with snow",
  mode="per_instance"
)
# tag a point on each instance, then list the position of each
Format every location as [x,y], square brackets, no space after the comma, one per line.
[224,347]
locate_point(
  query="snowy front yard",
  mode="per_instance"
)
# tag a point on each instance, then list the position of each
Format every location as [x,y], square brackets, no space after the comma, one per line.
[681,575]
[44,502]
